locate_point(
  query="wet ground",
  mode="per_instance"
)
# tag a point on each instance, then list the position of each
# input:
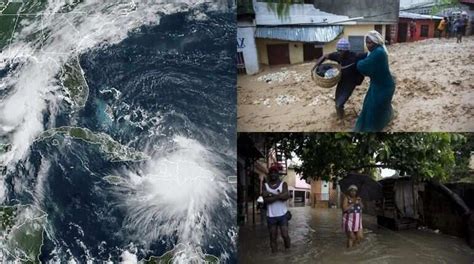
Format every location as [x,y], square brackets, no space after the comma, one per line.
[317,238]
[434,92]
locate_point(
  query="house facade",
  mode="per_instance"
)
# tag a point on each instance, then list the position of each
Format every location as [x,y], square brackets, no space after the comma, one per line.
[427,7]
[255,155]
[307,31]
[324,194]
[424,27]
[300,190]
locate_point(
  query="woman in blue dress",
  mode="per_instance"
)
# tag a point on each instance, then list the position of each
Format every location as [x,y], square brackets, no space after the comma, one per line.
[377,108]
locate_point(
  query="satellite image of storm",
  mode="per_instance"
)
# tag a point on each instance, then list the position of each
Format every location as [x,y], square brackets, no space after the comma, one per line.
[117,131]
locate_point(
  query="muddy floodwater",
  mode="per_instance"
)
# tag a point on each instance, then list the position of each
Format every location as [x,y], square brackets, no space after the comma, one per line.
[317,238]
[434,92]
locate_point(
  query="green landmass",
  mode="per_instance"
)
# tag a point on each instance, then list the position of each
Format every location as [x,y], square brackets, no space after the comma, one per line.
[113,149]
[8,21]
[12,16]
[7,215]
[21,233]
[74,82]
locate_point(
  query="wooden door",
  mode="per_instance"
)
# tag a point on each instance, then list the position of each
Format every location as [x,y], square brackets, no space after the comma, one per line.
[402,32]
[278,54]
[311,52]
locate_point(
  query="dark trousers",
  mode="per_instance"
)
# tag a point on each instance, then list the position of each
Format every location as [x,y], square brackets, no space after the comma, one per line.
[343,92]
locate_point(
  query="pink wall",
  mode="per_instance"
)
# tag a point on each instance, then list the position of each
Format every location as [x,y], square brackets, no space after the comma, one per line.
[301,183]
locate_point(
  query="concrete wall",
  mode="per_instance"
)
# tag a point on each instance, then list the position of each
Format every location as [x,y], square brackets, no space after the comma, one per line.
[295,48]
[419,22]
[290,178]
[316,189]
[433,24]
[246,44]
[295,184]
[298,14]
[370,9]
[352,30]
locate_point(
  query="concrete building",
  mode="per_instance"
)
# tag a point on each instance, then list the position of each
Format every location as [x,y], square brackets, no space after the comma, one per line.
[250,168]
[424,27]
[255,154]
[307,31]
[299,189]
[323,194]
[247,57]
[435,7]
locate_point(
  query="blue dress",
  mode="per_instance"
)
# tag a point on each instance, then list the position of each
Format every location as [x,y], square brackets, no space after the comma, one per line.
[377,109]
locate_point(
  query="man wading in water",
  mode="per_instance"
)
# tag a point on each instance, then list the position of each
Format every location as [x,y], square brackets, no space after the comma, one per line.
[275,195]
[350,77]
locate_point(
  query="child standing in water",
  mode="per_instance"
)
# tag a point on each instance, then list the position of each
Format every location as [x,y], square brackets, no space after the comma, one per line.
[352,216]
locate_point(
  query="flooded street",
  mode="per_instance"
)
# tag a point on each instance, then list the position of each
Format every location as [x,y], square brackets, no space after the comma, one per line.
[317,238]
[434,82]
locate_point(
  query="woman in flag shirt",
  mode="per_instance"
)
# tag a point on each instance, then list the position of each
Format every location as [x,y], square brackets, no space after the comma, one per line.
[352,216]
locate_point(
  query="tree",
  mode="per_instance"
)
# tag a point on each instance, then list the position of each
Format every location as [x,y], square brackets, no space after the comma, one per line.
[463,152]
[421,155]
[442,4]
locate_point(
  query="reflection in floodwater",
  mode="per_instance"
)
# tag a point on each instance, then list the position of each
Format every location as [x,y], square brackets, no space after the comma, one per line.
[317,238]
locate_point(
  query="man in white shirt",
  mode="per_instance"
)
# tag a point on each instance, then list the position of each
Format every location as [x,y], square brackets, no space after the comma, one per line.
[276,194]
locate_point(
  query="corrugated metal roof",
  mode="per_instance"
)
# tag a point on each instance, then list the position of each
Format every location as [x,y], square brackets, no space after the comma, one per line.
[300,33]
[417,16]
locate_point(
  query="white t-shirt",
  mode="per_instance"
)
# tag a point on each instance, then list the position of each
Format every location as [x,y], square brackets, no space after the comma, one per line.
[277,208]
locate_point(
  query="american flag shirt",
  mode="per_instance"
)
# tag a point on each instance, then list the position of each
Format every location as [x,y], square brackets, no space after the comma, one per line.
[352,218]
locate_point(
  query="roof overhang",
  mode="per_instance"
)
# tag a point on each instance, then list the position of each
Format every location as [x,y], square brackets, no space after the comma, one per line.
[320,34]
[417,16]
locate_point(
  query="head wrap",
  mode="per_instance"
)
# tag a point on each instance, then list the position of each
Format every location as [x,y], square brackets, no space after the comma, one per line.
[352,187]
[343,44]
[377,39]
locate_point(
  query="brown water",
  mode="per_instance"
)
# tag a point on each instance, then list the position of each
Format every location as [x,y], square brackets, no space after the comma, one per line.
[317,238]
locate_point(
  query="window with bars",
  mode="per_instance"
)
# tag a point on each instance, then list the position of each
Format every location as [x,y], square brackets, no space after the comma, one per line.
[357,43]
[240,63]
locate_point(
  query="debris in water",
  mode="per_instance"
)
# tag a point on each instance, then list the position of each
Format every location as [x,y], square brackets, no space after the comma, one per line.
[281,76]
[266,102]
[285,99]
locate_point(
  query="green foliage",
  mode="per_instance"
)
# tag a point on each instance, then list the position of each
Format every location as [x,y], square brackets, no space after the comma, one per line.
[463,150]
[282,7]
[421,155]
[441,4]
